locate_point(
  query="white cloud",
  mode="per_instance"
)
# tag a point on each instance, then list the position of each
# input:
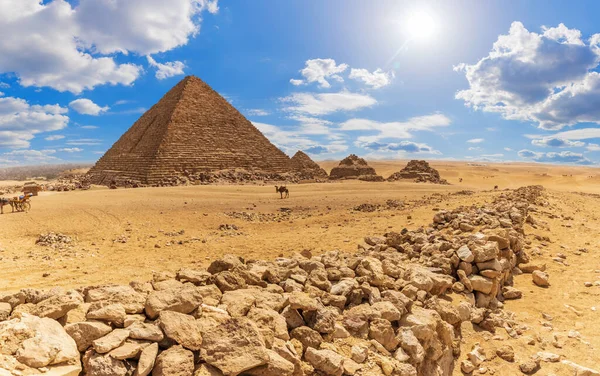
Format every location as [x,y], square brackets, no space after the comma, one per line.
[21,121]
[556,142]
[497,155]
[122,101]
[292,139]
[168,69]
[84,141]
[508,149]
[554,157]
[546,78]
[475,148]
[74,46]
[4,85]
[87,107]
[376,80]
[475,140]
[400,147]
[54,137]
[593,147]
[71,150]
[318,70]
[142,26]
[327,103]
[395,130]
[258,112]
[28,156]
[577,134]
[89,127]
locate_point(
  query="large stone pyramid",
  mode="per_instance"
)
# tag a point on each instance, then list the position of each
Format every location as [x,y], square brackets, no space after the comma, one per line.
[191,129]
[309,168]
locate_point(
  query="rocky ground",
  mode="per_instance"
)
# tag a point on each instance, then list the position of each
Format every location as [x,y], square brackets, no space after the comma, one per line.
[408,303]
[503,318]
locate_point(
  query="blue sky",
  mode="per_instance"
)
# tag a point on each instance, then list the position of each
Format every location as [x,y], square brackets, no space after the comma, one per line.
[465,80]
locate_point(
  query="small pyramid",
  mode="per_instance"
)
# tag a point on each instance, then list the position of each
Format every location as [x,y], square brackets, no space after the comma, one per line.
[352,167]
[307,167]
[192,129]
[419,171]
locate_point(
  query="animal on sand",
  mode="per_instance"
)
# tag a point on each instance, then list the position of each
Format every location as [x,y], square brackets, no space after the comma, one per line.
[495,187]
[5,201]
[282,190]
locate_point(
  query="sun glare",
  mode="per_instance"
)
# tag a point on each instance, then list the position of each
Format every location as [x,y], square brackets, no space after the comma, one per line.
[420,25]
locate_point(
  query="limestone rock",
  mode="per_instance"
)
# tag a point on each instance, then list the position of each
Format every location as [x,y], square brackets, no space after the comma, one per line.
[183,300]
[110,341]
[86,332]
[175,361]
[276,366]
[37,342]
[145,331]
[234,346]
[103,365]
[181,328]
[506,352]
[131,300]
[540,278]
[147,360]
[327,361]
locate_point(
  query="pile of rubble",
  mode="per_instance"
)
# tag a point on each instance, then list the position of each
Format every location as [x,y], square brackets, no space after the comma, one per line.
[418,171]
[370,208]
[67,183]
[380,311]
[54,240]
[353,167]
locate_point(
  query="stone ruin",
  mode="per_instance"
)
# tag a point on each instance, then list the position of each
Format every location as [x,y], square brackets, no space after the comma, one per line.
[192,135]
[353,167]
[418,171]
[380,311]
[307,167]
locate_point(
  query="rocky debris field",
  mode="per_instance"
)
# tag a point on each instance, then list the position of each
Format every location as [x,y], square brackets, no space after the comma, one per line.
[54,240]
[69,182]
[395,307]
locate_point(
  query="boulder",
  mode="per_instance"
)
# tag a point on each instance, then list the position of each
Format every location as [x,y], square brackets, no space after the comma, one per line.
[181,328]
[37,342]
[183,300]
[175,361]
[326,361]
[234,346]
[86,332]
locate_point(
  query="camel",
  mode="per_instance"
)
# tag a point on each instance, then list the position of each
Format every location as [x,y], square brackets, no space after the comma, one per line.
[460,180]
[5,201]
[282,189]
[495,187]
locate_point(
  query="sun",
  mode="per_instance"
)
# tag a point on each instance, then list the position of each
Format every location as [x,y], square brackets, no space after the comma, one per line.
[421,25]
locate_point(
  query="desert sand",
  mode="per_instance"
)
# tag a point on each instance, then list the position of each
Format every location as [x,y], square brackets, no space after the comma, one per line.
[127,234]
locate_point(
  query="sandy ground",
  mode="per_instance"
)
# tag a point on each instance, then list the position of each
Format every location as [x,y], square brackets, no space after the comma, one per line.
[125,235]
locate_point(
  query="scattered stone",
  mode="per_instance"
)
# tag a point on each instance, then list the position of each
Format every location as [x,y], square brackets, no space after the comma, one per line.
[541,278]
